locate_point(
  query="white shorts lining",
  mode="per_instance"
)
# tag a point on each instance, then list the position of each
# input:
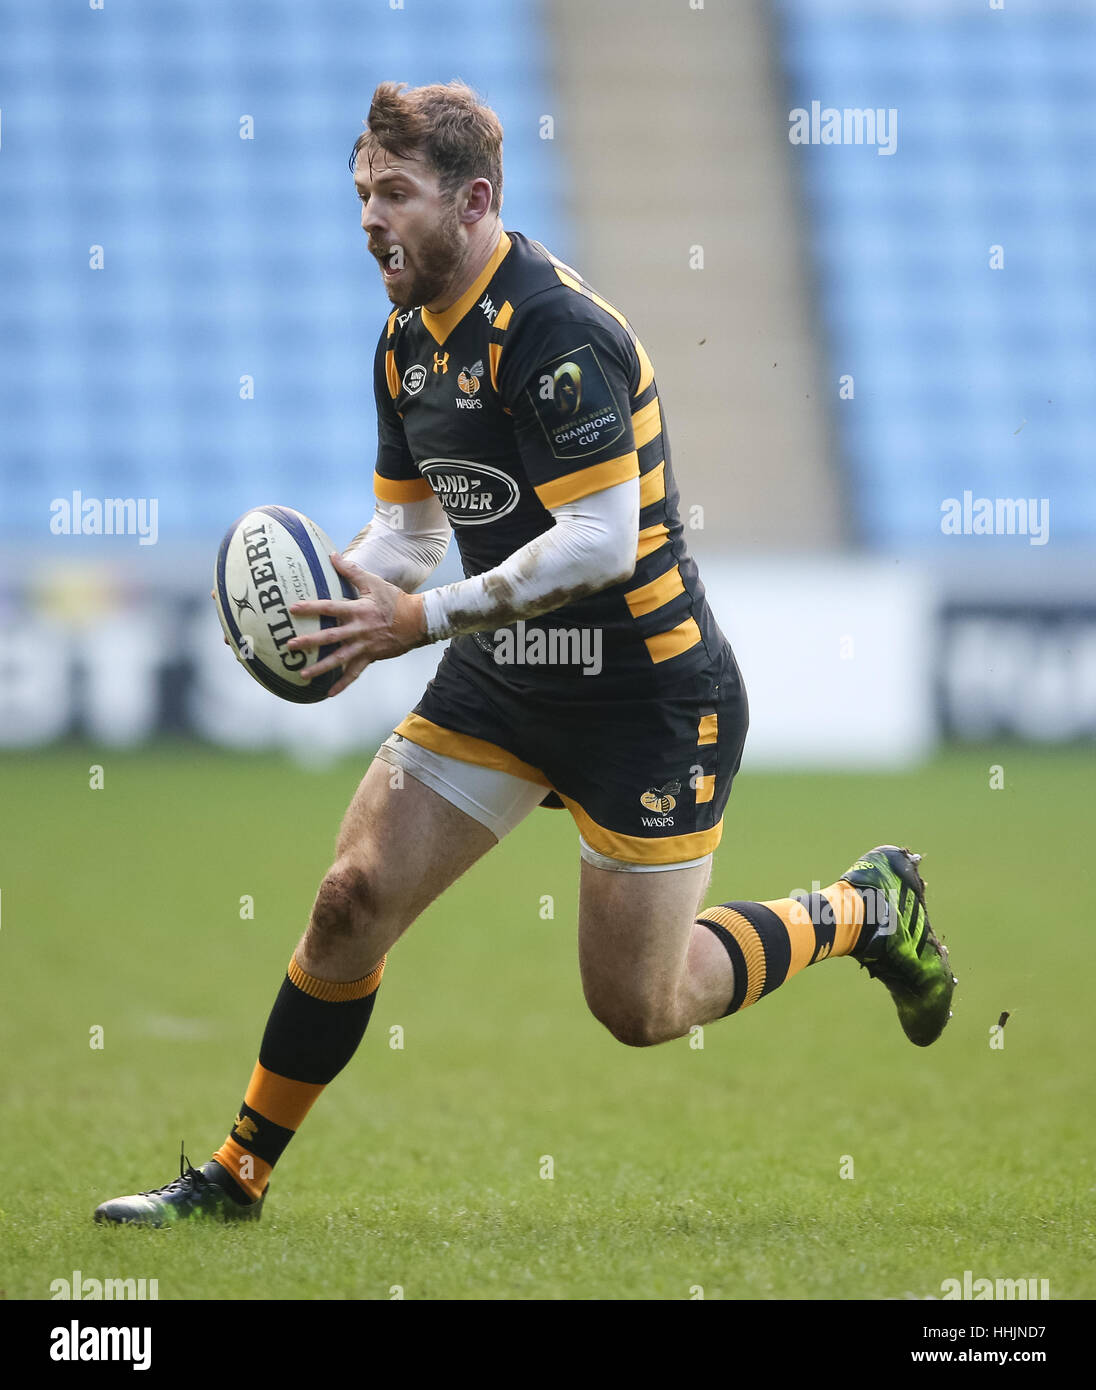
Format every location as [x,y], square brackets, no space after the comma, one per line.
[603,861]
[498,800]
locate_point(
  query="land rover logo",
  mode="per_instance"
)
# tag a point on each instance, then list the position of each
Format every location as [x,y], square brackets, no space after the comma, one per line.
[471,493]
[414,378]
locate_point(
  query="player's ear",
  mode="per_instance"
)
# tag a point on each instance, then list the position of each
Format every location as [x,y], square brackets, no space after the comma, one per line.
[475,200]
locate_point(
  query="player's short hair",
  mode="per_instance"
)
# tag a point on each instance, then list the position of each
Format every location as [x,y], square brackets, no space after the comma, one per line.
[445,124]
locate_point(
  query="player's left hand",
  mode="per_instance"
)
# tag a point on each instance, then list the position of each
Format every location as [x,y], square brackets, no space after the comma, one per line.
[382,622]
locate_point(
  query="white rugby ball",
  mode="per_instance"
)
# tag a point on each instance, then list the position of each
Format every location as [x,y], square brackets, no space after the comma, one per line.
[272,557]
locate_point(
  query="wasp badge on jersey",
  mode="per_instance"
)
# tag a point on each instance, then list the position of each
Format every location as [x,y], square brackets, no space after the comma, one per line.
[469,383]
[469,379]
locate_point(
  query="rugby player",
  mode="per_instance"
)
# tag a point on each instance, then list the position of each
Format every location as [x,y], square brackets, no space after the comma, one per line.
[518,409]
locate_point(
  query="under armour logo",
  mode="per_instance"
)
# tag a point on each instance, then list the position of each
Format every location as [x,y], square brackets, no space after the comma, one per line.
[441,362]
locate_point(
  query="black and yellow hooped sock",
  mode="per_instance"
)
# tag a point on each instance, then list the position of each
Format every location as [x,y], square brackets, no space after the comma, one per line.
[770,942]
[313,1031]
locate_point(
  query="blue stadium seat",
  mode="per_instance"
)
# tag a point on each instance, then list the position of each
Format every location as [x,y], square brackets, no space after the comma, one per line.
[952,358]
[223,257]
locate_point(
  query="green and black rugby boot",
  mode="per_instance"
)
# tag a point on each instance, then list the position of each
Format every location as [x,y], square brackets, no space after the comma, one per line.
[898,946]
[197,1193]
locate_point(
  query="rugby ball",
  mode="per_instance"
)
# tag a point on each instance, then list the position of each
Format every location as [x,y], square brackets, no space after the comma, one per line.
[272,557]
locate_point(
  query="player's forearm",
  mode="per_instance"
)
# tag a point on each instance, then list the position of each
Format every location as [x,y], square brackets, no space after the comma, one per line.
[404,543]
[592,545]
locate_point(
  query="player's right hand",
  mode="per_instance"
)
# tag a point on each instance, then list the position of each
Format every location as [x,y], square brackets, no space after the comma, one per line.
[382,622]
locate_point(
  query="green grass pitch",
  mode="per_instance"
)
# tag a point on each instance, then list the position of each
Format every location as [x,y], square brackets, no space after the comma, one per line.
[675,1169]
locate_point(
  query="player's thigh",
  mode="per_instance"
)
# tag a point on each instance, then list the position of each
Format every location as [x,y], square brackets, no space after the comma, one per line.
[415,841]
[399,847]
[633,938]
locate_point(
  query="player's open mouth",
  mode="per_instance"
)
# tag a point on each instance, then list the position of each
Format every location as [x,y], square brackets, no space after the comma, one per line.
[391,262]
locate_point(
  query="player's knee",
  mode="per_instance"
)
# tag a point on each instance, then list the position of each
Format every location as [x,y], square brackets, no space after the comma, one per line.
[637,1032]
[345,903]
[634,1027]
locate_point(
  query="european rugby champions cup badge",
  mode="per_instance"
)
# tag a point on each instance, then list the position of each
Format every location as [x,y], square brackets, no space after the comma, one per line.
[575,404]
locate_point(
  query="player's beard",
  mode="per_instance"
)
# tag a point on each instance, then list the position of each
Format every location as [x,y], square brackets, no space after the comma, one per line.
[429,271]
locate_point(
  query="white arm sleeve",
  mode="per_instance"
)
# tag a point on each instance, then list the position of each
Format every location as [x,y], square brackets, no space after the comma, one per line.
[592,545]
[404,543]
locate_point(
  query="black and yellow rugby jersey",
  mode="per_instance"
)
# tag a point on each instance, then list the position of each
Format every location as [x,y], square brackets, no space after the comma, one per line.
[528,393]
